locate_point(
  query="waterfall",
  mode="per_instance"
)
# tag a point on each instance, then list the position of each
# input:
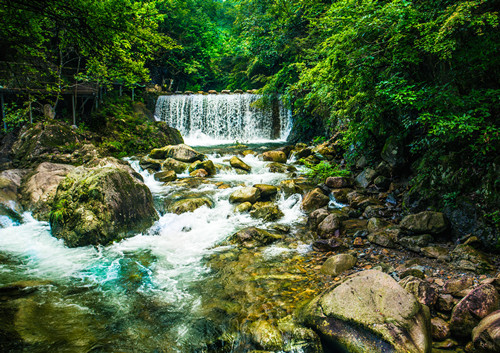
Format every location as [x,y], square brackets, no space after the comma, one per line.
[223,118]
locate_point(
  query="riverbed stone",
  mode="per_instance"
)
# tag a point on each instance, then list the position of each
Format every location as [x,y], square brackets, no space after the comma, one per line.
[189,205]
[436,252]
[39,188]
[99,205]
[376,224]
[465,257]
[207,165]
[316,217]
[457,285]
[199,173]
[337,264]
[276,167]
[425,293]
[314,200]
[425,222]
[267,192]
[416,242]
[486,335]
[370,312]
[267,211]
[182,152]
[252,237]
[239,164]
[332,244]
[246,194]
[165,176]
[386,237]
[151,164]
[338,182]
[440,329]
[274,156]
[175,165]
[330,226]
[478,304]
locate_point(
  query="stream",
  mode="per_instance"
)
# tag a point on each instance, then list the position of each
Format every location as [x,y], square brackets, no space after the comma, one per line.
[176,288]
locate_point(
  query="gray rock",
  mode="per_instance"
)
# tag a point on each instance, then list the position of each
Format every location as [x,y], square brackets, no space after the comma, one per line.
[329,226]
[365,178]
[181,152]
[393,152]
[267,211]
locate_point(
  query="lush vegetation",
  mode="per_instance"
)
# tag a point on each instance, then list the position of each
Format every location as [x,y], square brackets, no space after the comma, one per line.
[424,73]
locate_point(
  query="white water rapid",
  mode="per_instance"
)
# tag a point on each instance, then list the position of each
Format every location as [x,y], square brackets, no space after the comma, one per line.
[223,118]
[142,294]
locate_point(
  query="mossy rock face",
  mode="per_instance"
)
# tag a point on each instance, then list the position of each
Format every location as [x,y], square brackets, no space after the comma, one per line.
[100,205]
[46,141]
[370,312]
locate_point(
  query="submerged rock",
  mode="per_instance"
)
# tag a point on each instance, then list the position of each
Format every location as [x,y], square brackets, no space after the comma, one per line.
[370,312]
[252,237]
[100,205]
[266,335]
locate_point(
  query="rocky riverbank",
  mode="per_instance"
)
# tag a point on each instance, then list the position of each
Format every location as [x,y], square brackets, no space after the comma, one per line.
[356,269]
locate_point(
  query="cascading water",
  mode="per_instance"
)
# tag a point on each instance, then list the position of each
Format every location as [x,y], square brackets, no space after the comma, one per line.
[219,118]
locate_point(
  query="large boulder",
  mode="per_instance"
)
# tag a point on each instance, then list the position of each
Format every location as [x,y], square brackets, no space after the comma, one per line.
[366,177]
[369,312]
[475,306]
[314,200]
[181,152]
[175,165]
[274,156]
[100,205]
[267,192]
[427,222]
[486,335]
[247,194]
[39,188]
[10,181]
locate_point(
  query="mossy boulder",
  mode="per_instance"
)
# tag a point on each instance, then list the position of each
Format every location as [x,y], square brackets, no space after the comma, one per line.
[252,237]
[182,152]
[275,156]
[246,194]
[189,205]
[100,205]
[239,164]
[266,211]
[165,176]
[150,164]
[207,165]
[426,222]
[369,312]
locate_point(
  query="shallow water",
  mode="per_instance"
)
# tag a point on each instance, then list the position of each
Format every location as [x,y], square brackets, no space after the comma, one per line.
[175,288]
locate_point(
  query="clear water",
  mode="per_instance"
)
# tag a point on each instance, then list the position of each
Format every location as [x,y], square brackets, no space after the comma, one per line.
[155,292]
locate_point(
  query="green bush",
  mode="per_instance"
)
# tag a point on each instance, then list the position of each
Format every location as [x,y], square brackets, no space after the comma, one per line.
[319,172]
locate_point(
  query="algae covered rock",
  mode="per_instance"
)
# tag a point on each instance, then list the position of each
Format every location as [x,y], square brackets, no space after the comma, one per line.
[239,164]
[266,191]
[165,176]
[369,312]
[189,205]
[182,152]
[175,165]
[266,211]
[252,237]
[247,194]
[100,205]
[266,335]
[206,165]
[275,156]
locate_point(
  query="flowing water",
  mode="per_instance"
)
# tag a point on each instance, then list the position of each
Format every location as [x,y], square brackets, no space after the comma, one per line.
[215,119]
[175,288]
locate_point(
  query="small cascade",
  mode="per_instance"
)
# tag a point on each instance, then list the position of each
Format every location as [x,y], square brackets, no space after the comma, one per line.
[224,118]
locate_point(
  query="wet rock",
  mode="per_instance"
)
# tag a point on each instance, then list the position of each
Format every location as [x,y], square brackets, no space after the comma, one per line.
[425,293]
[243,207]
[40,187]
[332,244]
[486,335]
[354,227]
[365,178]
[314,200]
[393,152]
[206,165]
[425,222]
[274,156]
[267,192]
[382,182]
[148,163]
[181,152]
[290,187]
[239,164]
[340,195]
[189,205]
[337,264]
[465,257]
[248,152]
[247,194]
[112,162]
[330,226]
[370,312]
[166,176]
[444,346]
[436,252]
[416,242]
[267,211]
[281,168]
[478,304]
[266,335]
[252,237]
[300,336]
[372,211]
[361,162]
[316,217]
[338,182]
[358,200]
[199,173]
[440,329]
[455,286]
[303,153]
[383,169]
[175,165]
[99,205]
[376,224]
[10,182]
